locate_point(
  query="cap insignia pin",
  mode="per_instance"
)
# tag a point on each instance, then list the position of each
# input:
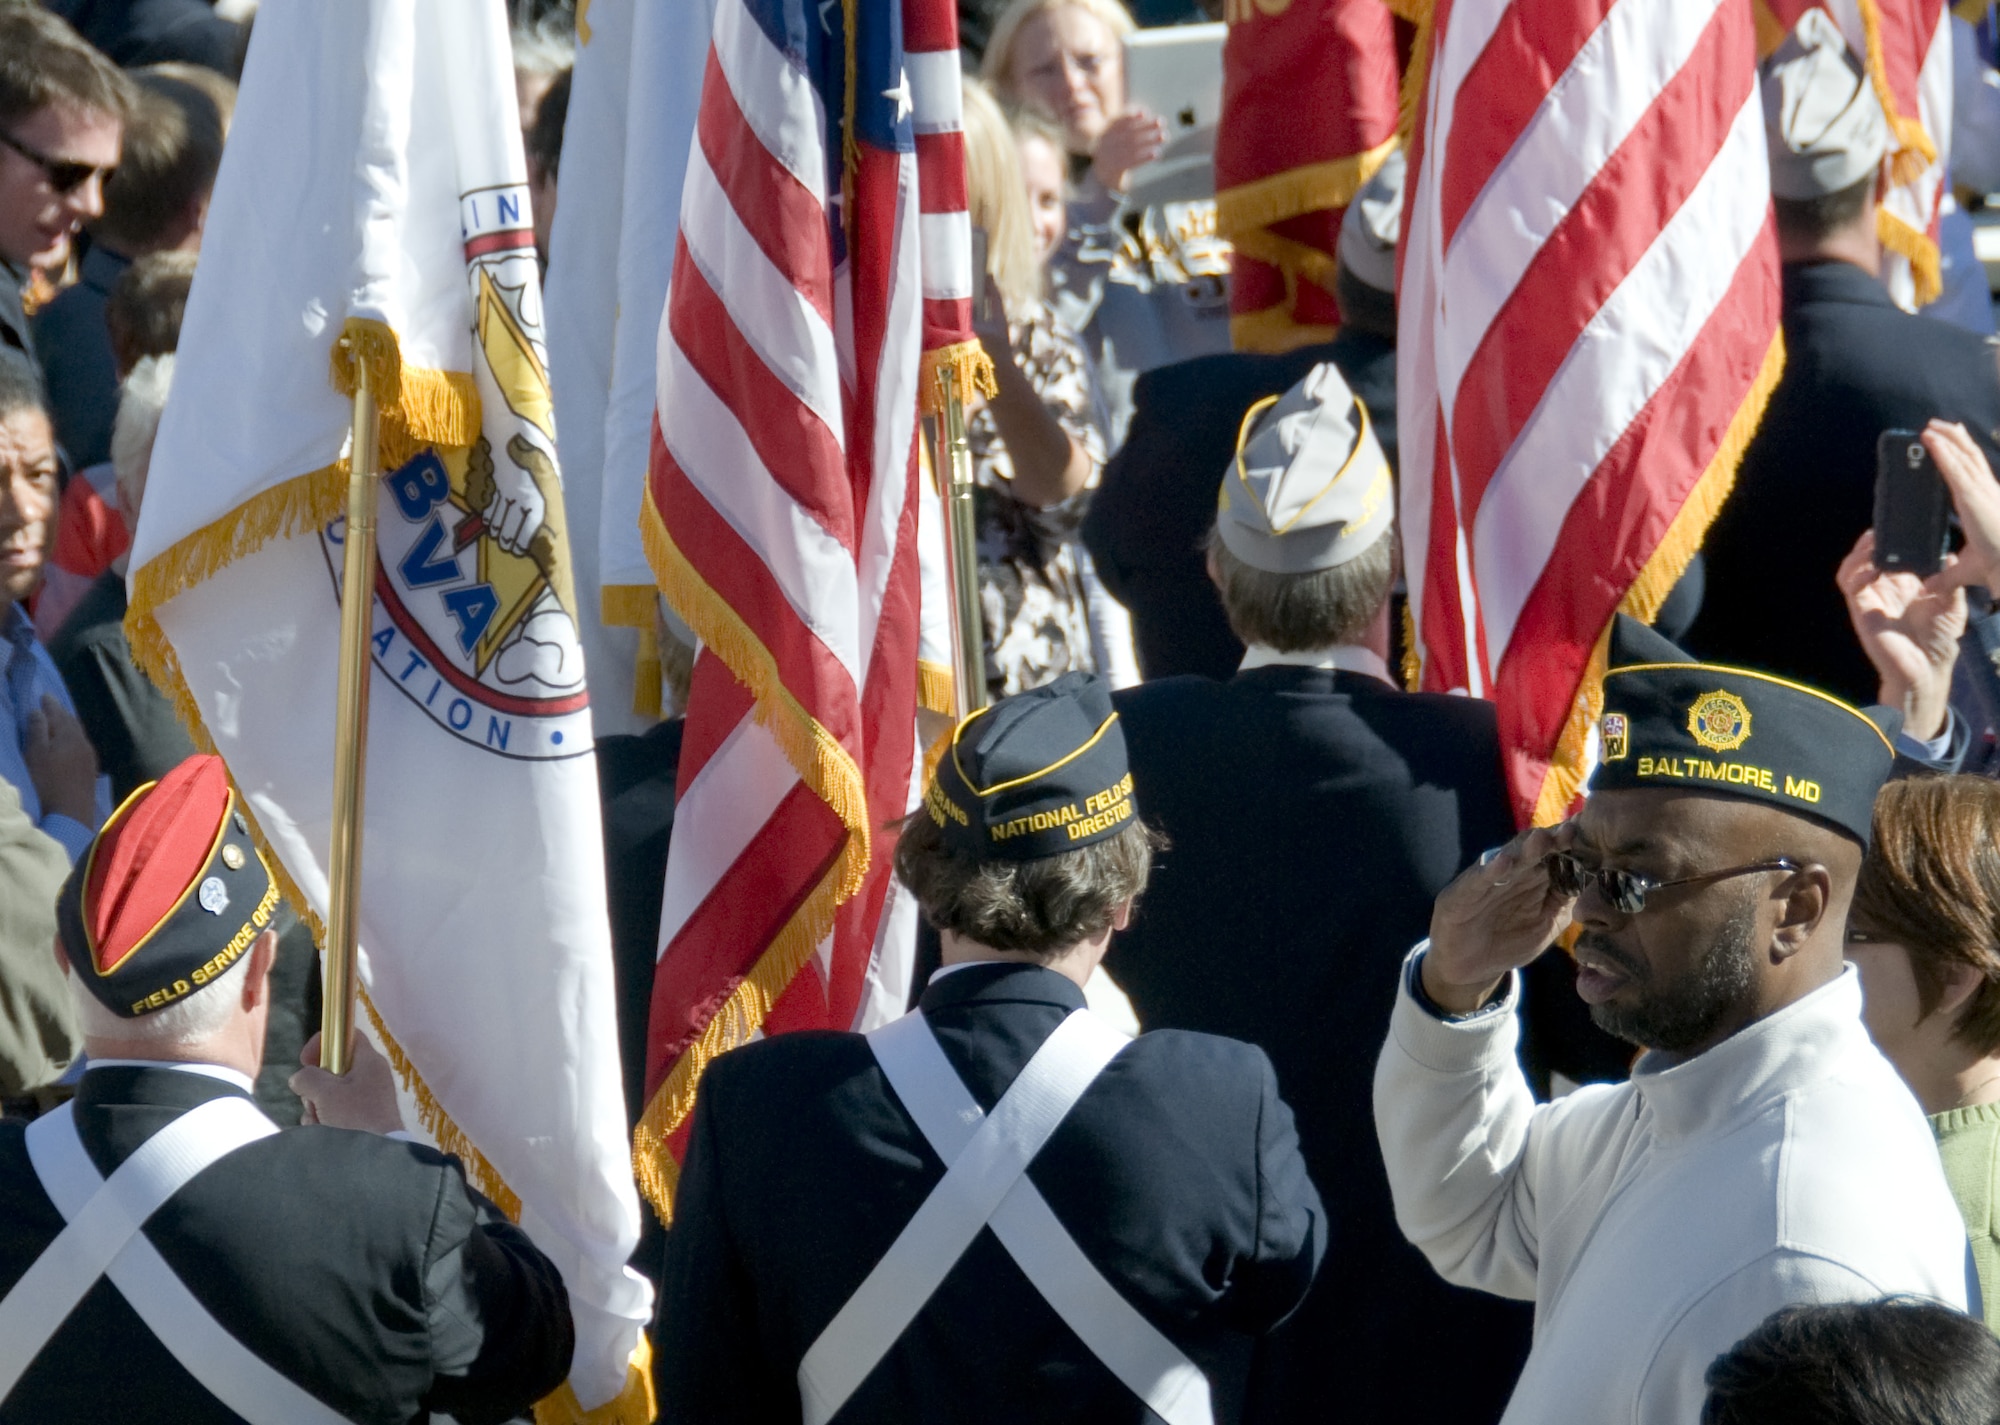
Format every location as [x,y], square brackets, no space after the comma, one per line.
[232,856]
[1719,721]
[213,897]
[1614,734]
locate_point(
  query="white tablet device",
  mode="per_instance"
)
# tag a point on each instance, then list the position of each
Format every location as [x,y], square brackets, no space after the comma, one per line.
[1175,72]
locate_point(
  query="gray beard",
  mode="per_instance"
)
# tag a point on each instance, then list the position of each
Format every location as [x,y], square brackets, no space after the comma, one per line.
[1684,1015]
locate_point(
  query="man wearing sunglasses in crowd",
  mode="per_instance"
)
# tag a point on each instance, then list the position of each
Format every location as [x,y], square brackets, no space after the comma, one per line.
[62,113]
[1763,1152]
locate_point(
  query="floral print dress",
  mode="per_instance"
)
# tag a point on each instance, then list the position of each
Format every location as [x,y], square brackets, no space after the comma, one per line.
[1031,593]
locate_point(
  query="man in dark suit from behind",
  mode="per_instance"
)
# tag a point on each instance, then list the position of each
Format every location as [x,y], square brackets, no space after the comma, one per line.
[1156,500]
[314,1275]
[826,1264]
[1855,366]
[1312,813]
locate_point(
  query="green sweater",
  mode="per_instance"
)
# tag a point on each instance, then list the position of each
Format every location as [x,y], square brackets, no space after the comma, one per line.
[1969,1143]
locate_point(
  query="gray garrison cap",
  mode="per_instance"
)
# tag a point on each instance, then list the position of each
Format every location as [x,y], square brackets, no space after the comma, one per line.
[1309,488]
[1824,125]
[1373,226]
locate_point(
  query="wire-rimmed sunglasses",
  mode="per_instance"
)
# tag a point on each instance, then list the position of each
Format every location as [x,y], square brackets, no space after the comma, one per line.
[1626,891]
[64,175]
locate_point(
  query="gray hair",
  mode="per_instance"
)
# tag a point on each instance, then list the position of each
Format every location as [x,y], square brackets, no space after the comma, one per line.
[140,401]
[191,1020]
[1296,613]
[546,46]
[19,388]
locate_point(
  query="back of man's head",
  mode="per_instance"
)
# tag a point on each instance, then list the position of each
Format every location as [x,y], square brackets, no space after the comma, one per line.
[1296,613]
[1894,1362]
[146,305]
[43,62]
[173,147]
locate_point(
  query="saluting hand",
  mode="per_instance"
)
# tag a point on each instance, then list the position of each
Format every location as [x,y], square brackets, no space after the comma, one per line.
[1495,918]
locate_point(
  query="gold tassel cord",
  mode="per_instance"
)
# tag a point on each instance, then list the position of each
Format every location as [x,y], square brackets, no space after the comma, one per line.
[826,767]
[1916,247]
[1416,76]
[1914,150]
[633,606]
[1656,580]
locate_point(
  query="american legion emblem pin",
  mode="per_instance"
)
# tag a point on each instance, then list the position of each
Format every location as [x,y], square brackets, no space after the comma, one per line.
[1719,721]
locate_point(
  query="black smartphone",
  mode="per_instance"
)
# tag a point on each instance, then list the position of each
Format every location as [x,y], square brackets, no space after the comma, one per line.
[1912,506]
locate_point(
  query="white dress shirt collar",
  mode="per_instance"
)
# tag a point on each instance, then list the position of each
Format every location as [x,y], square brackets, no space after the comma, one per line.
[1345,658]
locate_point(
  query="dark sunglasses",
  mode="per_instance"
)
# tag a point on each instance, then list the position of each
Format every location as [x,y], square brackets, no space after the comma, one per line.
[1626,891]
[64,175]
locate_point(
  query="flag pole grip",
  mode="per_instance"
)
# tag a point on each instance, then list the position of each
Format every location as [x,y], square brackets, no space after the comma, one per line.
[350,736]
[968,660]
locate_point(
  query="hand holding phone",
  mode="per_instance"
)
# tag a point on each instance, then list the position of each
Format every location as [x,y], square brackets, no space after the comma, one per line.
[1912,506]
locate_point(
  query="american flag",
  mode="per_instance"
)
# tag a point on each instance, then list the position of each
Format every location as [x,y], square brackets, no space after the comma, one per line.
[1589,330]
[781,521]
[1906,46]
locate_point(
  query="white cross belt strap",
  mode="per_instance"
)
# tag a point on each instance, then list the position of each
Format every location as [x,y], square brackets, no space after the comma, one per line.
[103,1238]
[986,1159]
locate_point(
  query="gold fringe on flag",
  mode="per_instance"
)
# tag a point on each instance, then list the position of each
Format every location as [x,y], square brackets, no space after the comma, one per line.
[1307,189]
[937,689]
[1417,75]
[634,1405]
[1899,237]
[1914,150]
[632,606]
[826,767]
[1656,580]
[968,368]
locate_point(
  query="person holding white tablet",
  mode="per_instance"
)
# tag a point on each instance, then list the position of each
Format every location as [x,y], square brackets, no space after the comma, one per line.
[1143,286]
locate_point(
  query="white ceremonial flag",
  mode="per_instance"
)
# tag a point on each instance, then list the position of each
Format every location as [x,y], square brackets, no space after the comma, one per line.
[373,204]
[633,104]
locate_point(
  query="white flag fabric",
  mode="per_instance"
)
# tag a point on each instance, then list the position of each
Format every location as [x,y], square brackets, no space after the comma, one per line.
[372,207]
[633,102]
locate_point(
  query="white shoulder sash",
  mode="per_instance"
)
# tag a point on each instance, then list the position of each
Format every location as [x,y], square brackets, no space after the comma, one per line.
[103,1238]
[985,1184]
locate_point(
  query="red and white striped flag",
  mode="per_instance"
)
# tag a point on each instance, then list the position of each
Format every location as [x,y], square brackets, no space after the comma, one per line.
[782,518]
[1906,47]
[1589,331]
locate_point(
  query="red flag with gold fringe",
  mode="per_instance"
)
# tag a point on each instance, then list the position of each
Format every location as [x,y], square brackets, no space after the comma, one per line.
[1309,104]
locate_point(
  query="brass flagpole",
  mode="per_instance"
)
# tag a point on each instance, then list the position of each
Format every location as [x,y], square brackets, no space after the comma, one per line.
[968,654]
[350,735]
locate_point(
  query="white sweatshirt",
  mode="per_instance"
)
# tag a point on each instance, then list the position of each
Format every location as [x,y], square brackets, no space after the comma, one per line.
[1654,1223]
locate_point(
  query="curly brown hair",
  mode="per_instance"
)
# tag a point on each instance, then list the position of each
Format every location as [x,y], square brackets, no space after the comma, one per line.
[1931,884]
[1035,907]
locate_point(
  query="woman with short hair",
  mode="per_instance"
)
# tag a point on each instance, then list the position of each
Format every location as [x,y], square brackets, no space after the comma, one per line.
[1924,932]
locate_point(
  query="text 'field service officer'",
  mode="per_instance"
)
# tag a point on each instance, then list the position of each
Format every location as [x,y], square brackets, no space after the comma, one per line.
[996,1208]
[167,1255]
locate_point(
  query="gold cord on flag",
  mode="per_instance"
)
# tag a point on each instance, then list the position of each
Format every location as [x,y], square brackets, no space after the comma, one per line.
[633,606]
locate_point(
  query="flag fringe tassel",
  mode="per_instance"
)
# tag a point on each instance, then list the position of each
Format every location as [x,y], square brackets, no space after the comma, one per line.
[634,1405]
[1899,237]
[1656,580]
[826,767]
[1305,189]
[633,606]
[417,406]
[968,369]
[1914,149]
[937,688]
[1416,77]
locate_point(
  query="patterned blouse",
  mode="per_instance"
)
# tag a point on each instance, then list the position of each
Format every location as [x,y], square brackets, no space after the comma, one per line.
[1031,592]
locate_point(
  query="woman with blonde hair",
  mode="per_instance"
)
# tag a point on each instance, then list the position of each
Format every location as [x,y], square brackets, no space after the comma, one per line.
[1037,446]
[1143,285]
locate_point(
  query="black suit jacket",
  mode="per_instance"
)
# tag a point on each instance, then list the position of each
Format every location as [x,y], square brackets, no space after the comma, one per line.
[361,1267]
[1855,366]
[1156,502]
[1177,1173]
[1312,818]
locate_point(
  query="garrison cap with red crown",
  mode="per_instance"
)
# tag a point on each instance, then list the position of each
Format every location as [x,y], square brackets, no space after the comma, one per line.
[171,893]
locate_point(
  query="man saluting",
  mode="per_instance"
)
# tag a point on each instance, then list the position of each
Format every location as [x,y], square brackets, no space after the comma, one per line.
[996,1208]
[1763,1152]
[167,1254]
